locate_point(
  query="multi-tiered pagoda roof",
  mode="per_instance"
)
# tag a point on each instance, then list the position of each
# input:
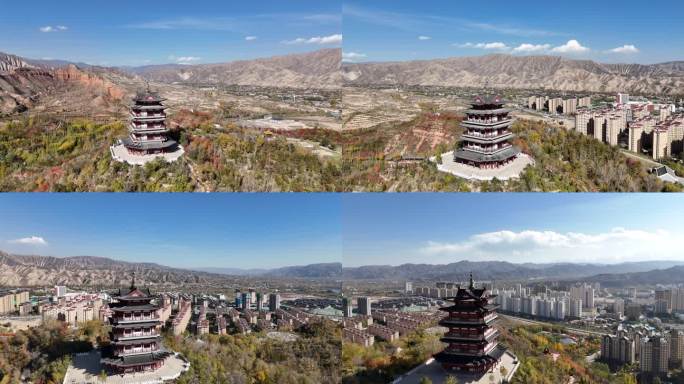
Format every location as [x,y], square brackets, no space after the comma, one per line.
[135,338]
[472,341]
[486,140]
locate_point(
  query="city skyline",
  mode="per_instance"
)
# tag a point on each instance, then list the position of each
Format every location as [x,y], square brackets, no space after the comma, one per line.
[133,34]
[402,30]
[526,228]
[176,230]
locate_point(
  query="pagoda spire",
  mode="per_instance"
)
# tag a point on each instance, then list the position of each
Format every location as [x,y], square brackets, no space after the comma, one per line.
[472,284]
[133,282]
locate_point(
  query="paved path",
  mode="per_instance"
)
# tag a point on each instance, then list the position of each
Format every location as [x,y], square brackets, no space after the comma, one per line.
[645,160]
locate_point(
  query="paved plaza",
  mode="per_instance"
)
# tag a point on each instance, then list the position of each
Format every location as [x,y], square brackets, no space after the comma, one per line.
[120,153]
[434,371]
[86,368]
[509,171]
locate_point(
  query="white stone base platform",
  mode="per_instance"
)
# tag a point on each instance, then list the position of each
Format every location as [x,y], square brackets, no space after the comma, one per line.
[121,154]
[86,368]
[509,171]
[434,371]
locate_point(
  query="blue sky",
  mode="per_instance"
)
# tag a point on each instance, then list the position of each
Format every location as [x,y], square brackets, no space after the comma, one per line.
[180,230]
[606,31]
[127,32]
[516,227]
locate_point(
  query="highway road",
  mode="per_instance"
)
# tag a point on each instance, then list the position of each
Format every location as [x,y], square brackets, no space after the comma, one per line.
[569,329]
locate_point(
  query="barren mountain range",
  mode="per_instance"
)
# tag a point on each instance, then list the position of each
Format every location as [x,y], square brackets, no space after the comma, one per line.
[33,270]
[501,270]
[26,83]
[522,72]
[319,69]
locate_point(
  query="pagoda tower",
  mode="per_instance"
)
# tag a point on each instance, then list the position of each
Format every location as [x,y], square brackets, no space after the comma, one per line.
[135,338]
[148,136]
[486,140]
[472,341]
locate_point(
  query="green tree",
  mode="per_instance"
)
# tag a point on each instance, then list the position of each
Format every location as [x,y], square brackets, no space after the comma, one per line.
[503,372]
[102,376]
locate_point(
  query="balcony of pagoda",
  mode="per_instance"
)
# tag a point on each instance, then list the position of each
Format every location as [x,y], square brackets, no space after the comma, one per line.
[468,319]
[470,349]
[474,334]
[461,335]
[148,127]
[151,316]
[136,350]
[135,335]
[488,119]
[144,137]
[490,149]
[147,116]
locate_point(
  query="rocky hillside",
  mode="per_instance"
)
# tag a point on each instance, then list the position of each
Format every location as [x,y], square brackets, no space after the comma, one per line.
[319,69]
[523,72]
[24,85]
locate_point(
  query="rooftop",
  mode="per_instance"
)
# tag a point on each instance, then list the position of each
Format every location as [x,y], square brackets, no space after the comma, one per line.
[481,100]
[148,97]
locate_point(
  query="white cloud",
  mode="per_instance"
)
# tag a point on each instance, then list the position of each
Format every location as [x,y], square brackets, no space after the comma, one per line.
[424,37]
[250,38]
[350,57]
[489,46]
[618,244]
[572,46]
[31,240]
[353,55]
[419,23]
[321,40]
[50,28]
[627,48]
[184,59]
[530,48]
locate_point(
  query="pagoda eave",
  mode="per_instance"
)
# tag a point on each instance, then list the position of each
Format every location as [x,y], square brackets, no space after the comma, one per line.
[488,140]
[146,340]
[486,126]
[148,145]
[136,360]
[481,112]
